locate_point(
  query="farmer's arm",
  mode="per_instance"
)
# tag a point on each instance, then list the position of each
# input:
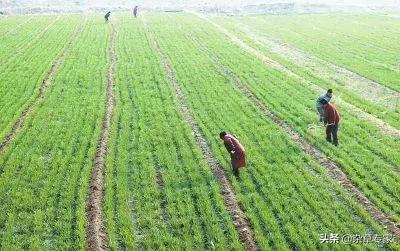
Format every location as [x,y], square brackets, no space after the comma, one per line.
[229,145]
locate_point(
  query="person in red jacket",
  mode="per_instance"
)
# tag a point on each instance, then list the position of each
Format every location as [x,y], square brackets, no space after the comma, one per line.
[236,150]
[331,121]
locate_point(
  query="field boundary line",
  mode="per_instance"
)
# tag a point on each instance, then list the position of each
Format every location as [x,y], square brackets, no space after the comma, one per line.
[37,37]
[366,88]
[96,234]
[16,28]
[383,126]
[237,214]
[46,82]
[334,168]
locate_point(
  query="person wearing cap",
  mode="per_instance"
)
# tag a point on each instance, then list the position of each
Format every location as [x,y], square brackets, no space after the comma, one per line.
[236,151]
[327,97]
[331,121]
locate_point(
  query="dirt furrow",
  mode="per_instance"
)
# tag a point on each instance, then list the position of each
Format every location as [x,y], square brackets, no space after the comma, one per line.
[96,235]
[32,41]
[383,126]
[335,170]
[15,28]
[240,220]
[42,90]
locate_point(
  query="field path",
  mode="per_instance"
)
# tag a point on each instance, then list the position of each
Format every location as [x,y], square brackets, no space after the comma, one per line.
[42,90]
[240,220]
[96,235]
[334,168]
[383,126]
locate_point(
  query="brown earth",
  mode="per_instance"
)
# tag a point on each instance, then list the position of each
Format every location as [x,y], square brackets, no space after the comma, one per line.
[96,235]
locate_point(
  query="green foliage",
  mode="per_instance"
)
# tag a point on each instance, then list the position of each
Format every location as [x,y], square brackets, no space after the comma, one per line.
[151,141]
[19,38]
[281,185]
[20,79]
[365,44]
[384,108]
[367,155]
[159,192]
[45,172]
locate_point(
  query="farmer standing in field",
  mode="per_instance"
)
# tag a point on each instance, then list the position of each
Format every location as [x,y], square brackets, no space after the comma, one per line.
[236,150]
[331,121]
[135,10]
[107,16]
[327,97]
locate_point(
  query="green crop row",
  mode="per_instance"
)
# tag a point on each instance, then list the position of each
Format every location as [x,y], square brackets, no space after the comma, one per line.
[378,40]
[380,25]
[374,63]
[159,192]
[380,55]
[379,109]
[20,80]
[288,198]
[16,41]
[367,155]
[45,171]
[10,24]
[372,30]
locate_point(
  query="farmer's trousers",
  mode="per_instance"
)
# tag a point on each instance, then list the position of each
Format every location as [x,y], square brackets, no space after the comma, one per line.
[331,132]
[235,171]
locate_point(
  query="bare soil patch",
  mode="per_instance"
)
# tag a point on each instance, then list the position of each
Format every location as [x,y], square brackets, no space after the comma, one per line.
[96,235]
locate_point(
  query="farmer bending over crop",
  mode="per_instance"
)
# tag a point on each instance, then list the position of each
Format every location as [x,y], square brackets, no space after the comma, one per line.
[135,10]
[331,121]
[327,96]
[236,150]
[107,16]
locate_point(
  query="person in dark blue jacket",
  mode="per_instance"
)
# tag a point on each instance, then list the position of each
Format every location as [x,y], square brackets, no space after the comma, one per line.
[107,16]
[319,104]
